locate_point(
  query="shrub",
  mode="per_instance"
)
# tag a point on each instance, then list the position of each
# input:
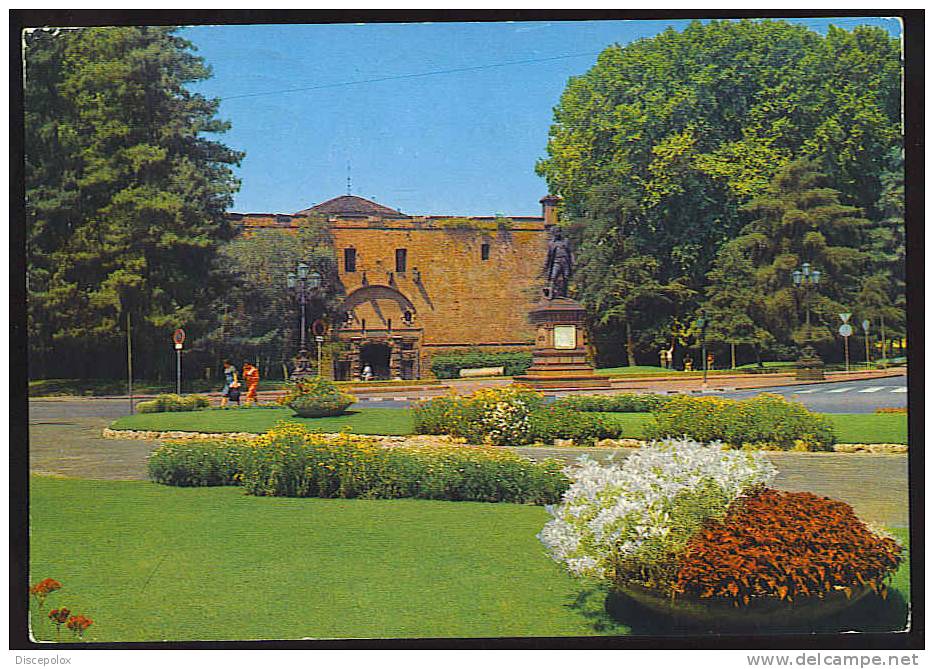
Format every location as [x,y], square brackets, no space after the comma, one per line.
[625,403]
[892,410]
[290,461]
[316,397]
[765,421]
[197,463]
[171,402]
[629,521]
[449,365]
[785,545]
[555,422]
[513,415]
[498,416]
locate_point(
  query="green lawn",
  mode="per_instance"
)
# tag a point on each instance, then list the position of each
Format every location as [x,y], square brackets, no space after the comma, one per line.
[149,562]
[358,421]
[868,428]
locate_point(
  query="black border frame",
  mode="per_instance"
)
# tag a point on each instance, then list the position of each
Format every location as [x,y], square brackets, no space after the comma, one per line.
[913,36]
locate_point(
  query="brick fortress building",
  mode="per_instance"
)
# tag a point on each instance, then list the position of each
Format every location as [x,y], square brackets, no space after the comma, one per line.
[417,286]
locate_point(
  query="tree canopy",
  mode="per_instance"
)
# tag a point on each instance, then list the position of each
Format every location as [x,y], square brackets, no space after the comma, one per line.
[658,146]
[126,194]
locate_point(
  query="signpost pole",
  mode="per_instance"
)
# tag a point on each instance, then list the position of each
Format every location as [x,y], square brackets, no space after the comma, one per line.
[178,337]
[845,331]
[129,361]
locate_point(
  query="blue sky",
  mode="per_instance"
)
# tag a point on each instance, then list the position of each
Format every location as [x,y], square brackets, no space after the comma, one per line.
[460,143]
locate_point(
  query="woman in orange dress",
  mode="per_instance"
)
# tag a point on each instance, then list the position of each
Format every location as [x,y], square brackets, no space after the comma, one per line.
[251,376]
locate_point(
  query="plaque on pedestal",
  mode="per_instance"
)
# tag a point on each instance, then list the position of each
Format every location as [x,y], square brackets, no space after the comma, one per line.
[559,360]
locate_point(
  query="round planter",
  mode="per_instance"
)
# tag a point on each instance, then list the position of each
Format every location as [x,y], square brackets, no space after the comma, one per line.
[720,612]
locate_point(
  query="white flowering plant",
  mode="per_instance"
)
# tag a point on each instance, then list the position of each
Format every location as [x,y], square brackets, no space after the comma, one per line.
[629,522]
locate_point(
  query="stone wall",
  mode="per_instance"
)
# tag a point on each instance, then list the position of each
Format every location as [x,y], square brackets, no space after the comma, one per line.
[456,299]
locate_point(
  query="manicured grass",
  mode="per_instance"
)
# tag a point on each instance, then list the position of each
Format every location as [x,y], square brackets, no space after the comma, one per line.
[868,428]
[358,421]
[149,562]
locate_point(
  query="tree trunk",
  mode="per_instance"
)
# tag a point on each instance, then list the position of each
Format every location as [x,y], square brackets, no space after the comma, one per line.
[755,347]
[630,353]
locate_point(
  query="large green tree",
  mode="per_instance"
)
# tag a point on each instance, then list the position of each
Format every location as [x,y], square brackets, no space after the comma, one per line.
[126,195]
[667,137]
[882,297]
[797,220]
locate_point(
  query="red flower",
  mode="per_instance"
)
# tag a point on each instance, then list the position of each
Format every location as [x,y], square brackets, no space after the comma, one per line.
[785,545]
[78,624]
[43,588]
[59,616]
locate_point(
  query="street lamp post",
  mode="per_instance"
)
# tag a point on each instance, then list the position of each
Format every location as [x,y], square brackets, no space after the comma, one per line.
[810,366]
[806,278]
[301,280]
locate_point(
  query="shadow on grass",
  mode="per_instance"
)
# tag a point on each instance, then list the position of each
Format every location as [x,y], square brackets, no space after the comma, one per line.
[871,614]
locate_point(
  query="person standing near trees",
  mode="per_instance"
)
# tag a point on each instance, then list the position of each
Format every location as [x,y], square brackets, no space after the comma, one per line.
[251,376]
[230,378]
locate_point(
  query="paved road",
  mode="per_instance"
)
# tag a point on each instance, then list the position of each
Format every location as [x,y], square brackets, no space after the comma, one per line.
[862,396]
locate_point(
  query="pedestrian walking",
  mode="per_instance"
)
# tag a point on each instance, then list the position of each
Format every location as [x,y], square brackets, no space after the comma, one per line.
[367,372]
[251,376]
[230,378]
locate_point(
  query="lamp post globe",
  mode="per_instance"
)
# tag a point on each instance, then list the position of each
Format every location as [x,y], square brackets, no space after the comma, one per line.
[314,280]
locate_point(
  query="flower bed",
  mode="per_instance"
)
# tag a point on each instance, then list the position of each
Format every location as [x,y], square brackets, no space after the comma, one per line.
[316,397]
[291,461]
[682,521]
[785,545]
[763,422]
[513,415]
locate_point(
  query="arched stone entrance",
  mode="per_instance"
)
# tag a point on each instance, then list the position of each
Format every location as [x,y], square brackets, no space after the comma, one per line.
[381,328]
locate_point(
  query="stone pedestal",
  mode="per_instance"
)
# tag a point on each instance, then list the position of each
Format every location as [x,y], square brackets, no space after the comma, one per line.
[560,357]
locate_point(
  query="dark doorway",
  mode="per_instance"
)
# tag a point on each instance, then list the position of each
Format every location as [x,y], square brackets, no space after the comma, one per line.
[377,357]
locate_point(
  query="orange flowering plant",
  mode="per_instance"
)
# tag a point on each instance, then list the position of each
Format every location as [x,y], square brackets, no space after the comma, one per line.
[59,617]
[78,624]
[43,589]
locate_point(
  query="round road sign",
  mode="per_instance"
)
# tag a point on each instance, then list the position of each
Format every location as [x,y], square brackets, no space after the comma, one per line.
[179,337]
[318,327]
[845,330]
